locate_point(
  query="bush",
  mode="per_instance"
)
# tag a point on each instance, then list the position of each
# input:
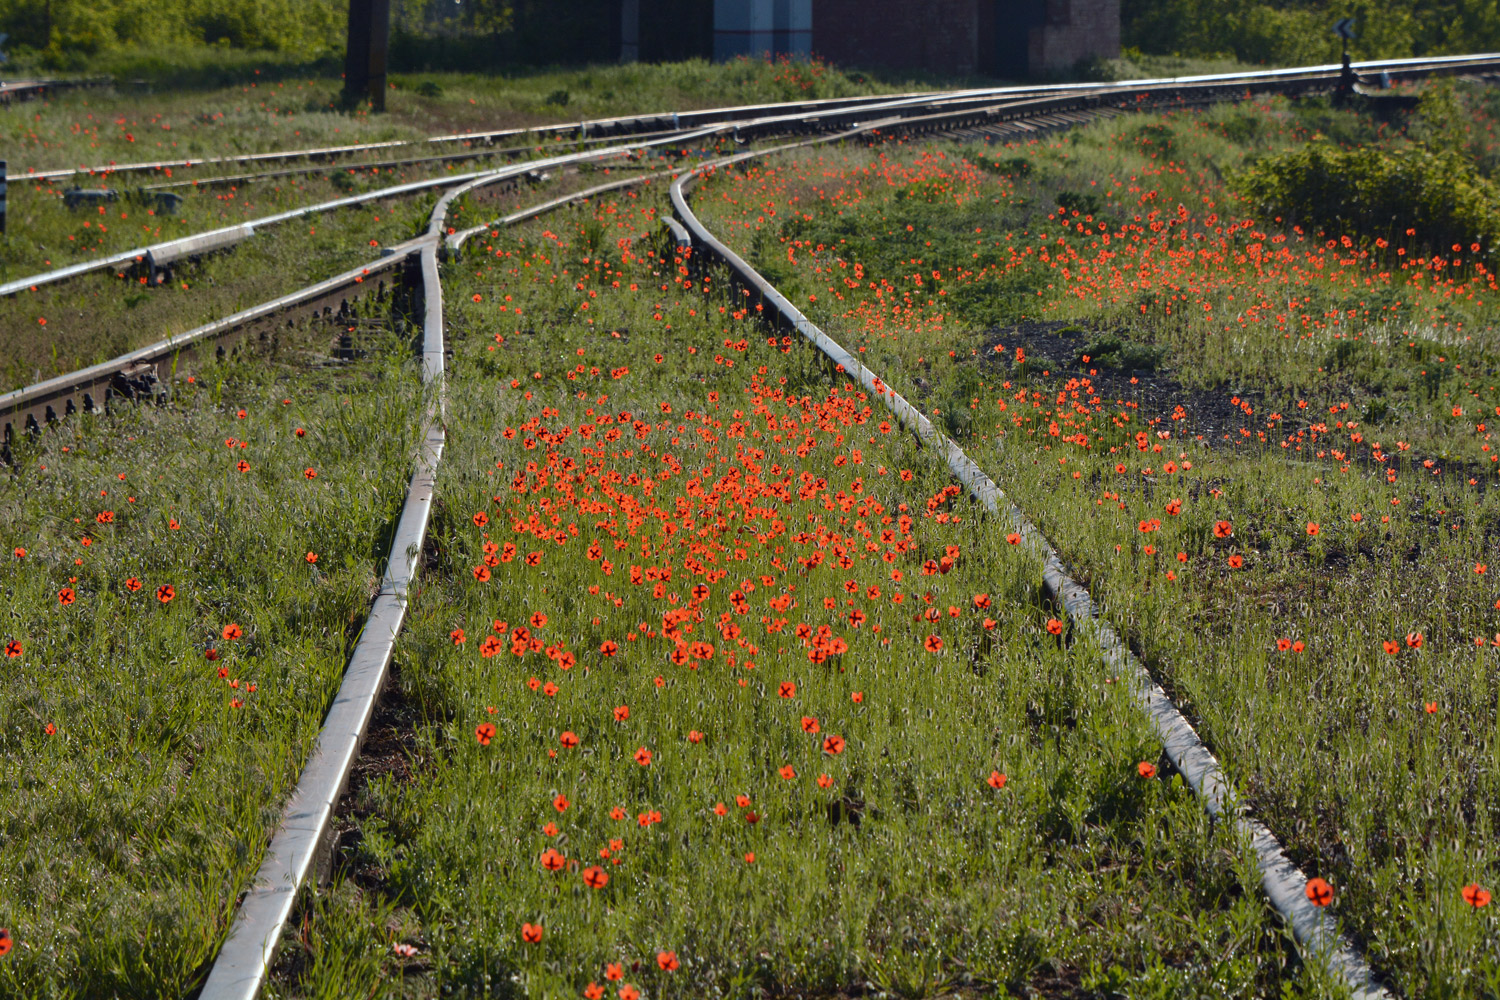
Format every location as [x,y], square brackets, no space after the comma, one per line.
[1372,194]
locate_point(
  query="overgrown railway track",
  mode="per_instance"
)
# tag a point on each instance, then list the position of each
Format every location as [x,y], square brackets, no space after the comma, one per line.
[303,836]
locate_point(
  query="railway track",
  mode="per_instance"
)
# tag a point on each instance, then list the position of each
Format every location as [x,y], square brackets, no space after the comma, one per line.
[303,834]
[1284,884]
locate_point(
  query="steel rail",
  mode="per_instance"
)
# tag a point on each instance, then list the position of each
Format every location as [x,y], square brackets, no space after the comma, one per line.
[1282,881]
[303,837]
[632,124]
[129,257]
[850,112]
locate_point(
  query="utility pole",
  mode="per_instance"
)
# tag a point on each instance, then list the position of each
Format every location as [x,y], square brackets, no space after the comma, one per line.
[365,56]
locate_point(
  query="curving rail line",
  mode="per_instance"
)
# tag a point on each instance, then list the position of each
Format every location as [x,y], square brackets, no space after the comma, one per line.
[1282,881]
[302,836]
[1326,74]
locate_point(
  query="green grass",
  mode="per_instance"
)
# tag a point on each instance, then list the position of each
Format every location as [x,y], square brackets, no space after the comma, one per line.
[146,752]
[891,863]
[1336,403]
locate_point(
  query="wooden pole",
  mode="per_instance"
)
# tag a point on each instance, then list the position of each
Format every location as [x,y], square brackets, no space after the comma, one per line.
[365,53]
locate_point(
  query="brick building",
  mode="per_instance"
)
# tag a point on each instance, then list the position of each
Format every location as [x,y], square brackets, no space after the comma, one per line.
[1005,38]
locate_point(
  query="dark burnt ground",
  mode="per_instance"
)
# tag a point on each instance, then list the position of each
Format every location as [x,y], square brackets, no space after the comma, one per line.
[1123,374]
[1136,377]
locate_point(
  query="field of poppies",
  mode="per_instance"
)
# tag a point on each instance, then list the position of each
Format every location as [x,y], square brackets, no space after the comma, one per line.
[182,587]
[1266,449]
[718,686]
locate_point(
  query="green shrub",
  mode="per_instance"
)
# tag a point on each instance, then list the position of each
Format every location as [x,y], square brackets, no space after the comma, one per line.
[1368,194]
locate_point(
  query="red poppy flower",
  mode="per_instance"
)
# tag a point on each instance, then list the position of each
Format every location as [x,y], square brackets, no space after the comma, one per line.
[933,644]
[1414,640]
[787,689]
[629,992]
[1297,646]
[1054,626]
[66,596]
[6,942]
[484,732]
[694,736]
[1391,647]
[133,584]
[552,860]
[19,552]
[614,972]
[609,647]
[825,781]
[310,473]
[1236,561]
[1431,707]
[996,779]
[166,592]
[857,697]
[1013,538]
[667,960]
[568,739]
[1312,528]
[810,724]
[787,772]
[833,745]
[481,519]
[242,465]
[1223,529]
[593,991]
[1319,892]
[311,557]
[1146,769]
[643,757]
[13,648]
[490,646]
[1473,895]
[595,877]
[561,803]
[538,620]
[482,574]
[232,631]
[622,712]
[531,933]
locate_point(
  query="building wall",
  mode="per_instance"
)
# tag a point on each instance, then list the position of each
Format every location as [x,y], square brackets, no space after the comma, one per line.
[756,27]
[934,35]
[1074,30]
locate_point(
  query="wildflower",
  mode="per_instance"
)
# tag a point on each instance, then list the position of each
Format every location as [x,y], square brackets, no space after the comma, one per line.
[13,648]
[1319,892]
[833,745]
[595,877]
[568,739]
[1391,648]
[667,960]
[484,732]
[1236,561]
[531,933]
[1414,640]
[1223,529]
[1146,769]
[787,689]
[309,473]
[996,779]
[165,593]
[1054,626]
[66,596]
[643,757]
[787,772]
[311,557]
[6,942]
[1312,528]
[1473,895]
[232,631]
[933,644]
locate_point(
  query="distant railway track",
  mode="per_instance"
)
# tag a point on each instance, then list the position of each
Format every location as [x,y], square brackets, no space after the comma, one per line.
[303,837]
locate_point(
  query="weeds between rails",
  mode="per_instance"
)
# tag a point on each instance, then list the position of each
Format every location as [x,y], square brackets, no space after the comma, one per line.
[1313,582]
[184,584]
[97,317]
[662,751]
